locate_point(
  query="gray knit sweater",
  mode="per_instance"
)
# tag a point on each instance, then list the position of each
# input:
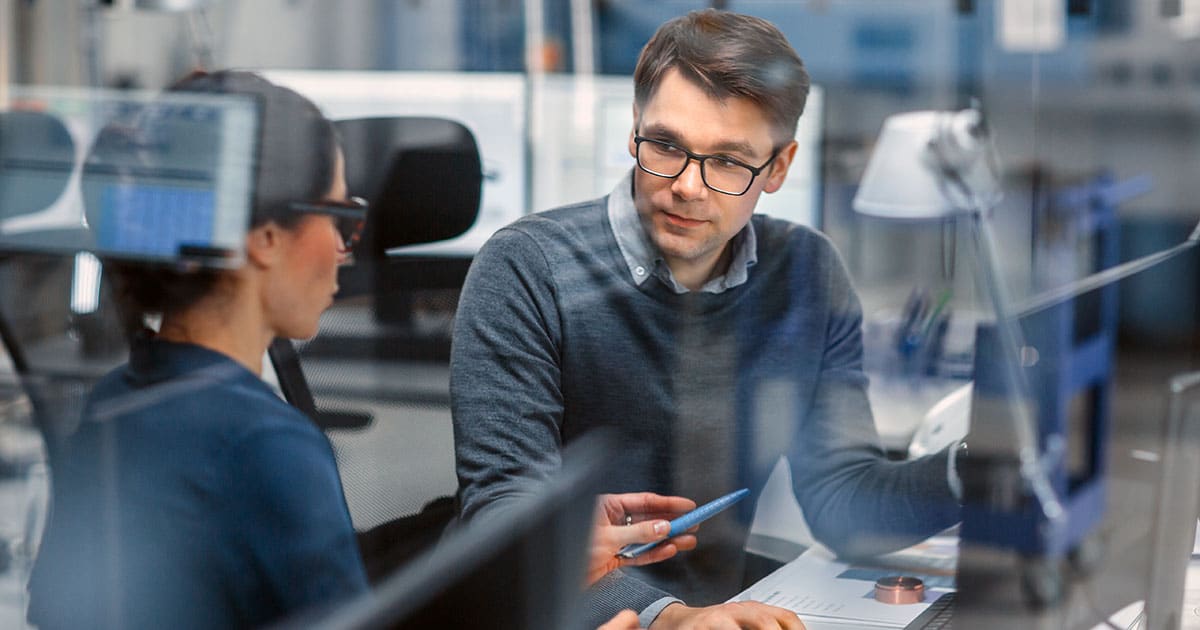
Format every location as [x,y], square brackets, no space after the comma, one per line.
[704,391]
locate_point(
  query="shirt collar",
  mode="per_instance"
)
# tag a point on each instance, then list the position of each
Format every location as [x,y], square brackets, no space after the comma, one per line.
[643,259]
[153,360]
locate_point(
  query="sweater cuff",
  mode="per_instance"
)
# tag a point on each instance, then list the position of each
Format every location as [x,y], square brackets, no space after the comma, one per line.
[650,613]
[618,591]
[952,478]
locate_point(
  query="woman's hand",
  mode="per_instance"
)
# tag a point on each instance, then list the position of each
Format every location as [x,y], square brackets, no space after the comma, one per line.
[647,515]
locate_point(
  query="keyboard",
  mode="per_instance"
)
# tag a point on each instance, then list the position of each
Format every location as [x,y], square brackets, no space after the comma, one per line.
[936,617]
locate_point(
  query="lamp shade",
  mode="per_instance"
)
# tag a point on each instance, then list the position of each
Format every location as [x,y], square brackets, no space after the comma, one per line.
[907,177]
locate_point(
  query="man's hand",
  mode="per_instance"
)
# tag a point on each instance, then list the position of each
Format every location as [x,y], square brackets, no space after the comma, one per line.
[732,616]
[625,620]
[649,515]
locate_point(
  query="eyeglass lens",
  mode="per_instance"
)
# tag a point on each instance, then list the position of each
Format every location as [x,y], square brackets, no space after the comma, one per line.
[350,230]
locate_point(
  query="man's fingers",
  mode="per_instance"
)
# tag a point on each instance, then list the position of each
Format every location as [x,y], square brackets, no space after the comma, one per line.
[648,531]
[637,507]
[648,516]
[788,620]
[658,554]
[651,503]
[759,615]
[684,542]
[665,551]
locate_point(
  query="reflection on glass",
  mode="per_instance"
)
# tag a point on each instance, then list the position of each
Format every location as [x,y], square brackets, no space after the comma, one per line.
[60,195]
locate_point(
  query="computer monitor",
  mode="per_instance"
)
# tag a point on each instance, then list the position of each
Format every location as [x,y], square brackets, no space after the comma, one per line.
[1177,504]
[128,175]
[1120,436]
[521,569]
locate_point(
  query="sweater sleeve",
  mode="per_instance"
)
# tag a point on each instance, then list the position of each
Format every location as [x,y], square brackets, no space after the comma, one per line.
[505,380]
[295,526]
[856,501]
[506,393]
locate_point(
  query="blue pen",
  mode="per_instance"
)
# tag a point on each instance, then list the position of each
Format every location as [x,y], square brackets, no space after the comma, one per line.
[687,521]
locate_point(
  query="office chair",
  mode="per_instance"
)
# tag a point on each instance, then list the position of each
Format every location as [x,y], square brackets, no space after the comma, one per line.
[376,377]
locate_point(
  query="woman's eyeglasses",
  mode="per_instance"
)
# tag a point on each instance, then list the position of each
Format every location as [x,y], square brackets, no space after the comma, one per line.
[350,216]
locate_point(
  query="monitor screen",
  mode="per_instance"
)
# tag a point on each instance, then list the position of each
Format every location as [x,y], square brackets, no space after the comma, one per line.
[129,175]
[520,569]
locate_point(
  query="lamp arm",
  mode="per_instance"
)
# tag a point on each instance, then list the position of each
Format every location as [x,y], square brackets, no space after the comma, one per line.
[1110,275]
[1011,341]
[1032,468]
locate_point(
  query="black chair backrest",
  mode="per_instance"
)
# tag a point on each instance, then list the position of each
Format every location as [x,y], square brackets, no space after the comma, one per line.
[422,176]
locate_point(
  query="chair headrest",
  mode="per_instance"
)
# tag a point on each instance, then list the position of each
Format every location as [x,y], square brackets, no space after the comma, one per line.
[422,175]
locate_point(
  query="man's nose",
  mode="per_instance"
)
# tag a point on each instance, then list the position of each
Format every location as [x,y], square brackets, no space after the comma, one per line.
[690,183]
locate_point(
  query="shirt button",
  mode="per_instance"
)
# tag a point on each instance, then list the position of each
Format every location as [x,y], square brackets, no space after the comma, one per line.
[641,271]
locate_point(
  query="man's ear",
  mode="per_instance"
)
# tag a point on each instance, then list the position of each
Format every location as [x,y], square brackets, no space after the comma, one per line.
[633,132]
[779,168]
[264,245]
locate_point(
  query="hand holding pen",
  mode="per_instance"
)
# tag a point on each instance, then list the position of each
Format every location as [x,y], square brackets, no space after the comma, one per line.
[635,518]
[688,522]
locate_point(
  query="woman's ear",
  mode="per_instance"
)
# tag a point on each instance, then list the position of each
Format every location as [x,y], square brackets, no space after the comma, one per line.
[264,245]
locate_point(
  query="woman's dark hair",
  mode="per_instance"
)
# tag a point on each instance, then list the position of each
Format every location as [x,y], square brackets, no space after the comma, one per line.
[297,149]
[728,55]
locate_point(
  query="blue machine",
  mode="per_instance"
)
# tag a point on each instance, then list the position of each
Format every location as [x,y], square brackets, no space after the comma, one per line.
[1070,375]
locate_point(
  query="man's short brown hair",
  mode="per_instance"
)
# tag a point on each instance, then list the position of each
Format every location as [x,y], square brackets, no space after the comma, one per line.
[728,55]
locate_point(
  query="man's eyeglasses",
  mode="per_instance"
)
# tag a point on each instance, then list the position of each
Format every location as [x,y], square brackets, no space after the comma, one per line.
[350,216]
[720,173]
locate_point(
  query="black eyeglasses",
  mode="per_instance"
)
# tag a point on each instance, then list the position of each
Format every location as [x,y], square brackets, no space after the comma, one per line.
[718,172]
[350,216]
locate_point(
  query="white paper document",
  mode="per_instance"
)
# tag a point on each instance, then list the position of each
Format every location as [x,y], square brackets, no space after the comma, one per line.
[830,593]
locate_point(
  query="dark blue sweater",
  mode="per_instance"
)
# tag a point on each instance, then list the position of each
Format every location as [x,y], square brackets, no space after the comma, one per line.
[191,497]
[705,391]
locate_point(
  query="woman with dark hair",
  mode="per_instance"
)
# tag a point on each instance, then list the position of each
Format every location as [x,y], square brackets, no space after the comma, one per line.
[192,495]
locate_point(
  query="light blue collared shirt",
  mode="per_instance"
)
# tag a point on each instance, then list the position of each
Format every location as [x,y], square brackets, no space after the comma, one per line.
[644,259]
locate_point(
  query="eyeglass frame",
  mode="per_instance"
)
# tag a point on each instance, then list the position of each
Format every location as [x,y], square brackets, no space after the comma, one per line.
[354,208]
[700,158]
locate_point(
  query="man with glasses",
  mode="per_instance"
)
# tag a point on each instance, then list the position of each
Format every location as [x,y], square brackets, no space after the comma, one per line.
[709,339]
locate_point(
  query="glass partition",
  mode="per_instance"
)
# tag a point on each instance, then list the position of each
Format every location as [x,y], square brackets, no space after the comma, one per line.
[835,369]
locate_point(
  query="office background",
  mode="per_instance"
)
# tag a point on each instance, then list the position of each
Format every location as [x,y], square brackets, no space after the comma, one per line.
[1099,107]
